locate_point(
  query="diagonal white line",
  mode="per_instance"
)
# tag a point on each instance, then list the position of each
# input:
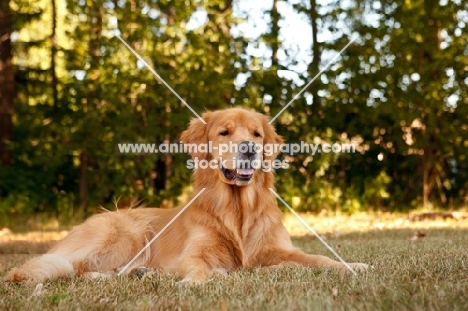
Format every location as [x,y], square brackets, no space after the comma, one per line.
[313,231]
[160,232]
[311,81]
[159,77]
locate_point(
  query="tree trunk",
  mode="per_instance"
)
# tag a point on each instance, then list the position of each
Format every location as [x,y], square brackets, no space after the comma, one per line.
[53,40]
[275,33]
[431,156]
[84,183]
[314,66]
[7,84]
[275,89]
[426,188]
[92,100]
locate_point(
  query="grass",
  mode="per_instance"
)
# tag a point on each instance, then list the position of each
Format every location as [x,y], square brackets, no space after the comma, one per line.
[430,273]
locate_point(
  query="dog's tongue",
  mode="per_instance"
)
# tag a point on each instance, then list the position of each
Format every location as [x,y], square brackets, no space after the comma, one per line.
[245,171]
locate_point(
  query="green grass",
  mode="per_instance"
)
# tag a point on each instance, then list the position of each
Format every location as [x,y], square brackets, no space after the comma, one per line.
[428,274]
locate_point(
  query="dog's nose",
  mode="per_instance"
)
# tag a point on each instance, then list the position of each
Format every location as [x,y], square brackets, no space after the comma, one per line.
[247,148]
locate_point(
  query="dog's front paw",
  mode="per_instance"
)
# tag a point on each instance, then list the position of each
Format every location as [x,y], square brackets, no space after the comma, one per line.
[139,272]
[17,276]
[189,281]
[196,276]
[220,272]
[98,275]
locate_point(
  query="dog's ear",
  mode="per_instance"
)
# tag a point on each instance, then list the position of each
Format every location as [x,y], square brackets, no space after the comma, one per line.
[272,139]
[195,138]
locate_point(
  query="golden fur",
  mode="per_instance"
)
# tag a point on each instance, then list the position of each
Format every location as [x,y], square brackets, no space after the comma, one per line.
[232,224]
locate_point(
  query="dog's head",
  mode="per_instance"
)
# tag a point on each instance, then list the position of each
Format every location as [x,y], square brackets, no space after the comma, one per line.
[235,142]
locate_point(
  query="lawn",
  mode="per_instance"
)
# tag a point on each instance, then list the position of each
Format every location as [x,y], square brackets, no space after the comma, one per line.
[424,271]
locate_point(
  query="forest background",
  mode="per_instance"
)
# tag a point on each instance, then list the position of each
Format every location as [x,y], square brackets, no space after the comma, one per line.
[70,92]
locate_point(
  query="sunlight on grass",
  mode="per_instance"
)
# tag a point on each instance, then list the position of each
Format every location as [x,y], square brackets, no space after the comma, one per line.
[419,265]
[324,225]
[340,224]
[427,274]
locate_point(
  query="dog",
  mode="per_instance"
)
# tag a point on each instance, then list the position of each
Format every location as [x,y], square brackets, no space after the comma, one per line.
[233,223]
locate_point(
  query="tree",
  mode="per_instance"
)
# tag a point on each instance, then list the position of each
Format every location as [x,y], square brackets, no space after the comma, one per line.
[400,78]
[399,93]
[7,85]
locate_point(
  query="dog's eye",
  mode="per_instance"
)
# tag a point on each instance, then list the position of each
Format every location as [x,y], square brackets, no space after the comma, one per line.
[224,133]
[257,134]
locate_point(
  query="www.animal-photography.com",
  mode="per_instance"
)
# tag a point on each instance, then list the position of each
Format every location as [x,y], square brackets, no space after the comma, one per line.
[233,155]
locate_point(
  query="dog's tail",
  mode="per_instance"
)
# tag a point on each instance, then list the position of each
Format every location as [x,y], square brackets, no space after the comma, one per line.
[40,269]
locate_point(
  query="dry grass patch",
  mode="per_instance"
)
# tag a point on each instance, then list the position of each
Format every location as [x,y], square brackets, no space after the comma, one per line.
[429,273]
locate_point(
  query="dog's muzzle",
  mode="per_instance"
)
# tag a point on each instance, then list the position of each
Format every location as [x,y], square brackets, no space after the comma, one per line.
[242,174]
[245,164]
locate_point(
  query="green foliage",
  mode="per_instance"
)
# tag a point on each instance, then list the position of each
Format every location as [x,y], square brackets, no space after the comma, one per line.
[399,93]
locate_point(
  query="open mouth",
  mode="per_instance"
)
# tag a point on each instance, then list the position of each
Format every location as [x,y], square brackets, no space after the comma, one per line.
[242,174]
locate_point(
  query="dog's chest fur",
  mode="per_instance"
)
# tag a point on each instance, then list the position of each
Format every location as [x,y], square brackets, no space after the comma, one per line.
[240,219]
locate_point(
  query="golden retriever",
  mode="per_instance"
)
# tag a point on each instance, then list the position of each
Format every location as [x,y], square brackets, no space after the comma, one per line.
[234,223]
